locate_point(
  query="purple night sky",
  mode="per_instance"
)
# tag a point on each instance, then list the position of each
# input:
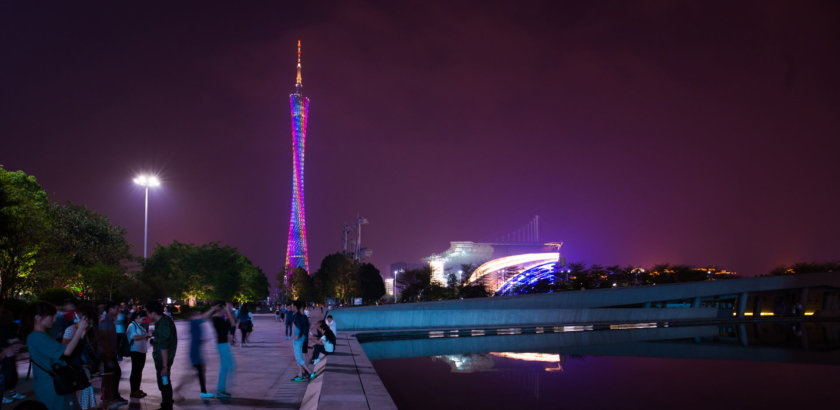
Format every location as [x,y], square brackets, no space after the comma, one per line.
[640,132]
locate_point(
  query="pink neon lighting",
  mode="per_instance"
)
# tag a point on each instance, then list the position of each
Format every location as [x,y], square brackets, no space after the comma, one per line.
[297,254]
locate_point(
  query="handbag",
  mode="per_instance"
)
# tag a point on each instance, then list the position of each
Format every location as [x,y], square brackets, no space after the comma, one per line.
[66,378]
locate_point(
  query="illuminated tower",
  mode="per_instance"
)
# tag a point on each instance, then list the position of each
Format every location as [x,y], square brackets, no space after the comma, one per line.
[297,255]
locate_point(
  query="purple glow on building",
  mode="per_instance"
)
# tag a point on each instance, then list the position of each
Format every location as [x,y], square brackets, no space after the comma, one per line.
[297,255]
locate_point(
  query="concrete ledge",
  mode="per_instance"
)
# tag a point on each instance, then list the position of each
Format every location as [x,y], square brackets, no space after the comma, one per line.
[385,317]
[347,380]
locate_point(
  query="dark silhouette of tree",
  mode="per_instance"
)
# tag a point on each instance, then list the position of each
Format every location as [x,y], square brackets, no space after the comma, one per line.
[415,281]
[302,286]
[370,282]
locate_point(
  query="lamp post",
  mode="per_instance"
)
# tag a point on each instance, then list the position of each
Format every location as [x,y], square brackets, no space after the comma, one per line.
[146,181]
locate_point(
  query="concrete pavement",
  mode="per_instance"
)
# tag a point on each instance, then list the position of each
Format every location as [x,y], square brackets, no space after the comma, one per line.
[261,379]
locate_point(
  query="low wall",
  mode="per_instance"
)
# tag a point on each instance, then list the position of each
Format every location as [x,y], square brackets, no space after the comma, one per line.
[387,318]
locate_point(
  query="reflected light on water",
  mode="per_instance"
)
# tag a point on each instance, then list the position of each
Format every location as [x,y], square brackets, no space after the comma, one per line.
[535,357]
[651,325]
[530,357]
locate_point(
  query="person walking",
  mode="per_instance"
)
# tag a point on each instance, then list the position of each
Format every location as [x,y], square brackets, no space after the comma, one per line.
[164,345]
[196,358]
[45,351]
[137,335]
[223,321]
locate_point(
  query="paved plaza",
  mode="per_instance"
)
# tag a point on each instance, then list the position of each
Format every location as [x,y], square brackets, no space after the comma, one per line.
[261,379]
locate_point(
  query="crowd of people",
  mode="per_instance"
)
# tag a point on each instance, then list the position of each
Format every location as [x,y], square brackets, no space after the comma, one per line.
[93,339]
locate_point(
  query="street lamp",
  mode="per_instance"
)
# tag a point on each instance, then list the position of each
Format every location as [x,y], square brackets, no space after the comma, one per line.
[146,181]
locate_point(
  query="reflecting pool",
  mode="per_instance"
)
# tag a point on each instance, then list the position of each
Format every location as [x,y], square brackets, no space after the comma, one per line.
[765,365]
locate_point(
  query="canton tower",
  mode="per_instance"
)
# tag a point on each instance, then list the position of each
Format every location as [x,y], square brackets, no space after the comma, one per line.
[297,255]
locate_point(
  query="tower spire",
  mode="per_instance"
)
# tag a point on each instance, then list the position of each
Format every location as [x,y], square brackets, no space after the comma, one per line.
[299,82]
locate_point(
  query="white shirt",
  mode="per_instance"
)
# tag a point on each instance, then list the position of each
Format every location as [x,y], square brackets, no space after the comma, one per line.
[329,347]
[135,329]
[333,327]
[68,333]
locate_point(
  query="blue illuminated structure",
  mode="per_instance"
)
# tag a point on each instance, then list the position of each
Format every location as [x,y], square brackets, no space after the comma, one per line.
[297,255]
[527,281]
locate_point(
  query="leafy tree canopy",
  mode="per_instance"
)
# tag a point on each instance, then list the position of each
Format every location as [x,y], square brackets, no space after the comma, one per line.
[206,272]
[24,225]
[84,250]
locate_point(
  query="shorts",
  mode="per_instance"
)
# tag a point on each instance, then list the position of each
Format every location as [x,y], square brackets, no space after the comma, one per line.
[298,346]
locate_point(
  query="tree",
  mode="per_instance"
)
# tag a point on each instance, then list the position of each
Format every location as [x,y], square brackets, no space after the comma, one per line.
[101,280]
[24,225]
[474,290]
[205,272]
[253,285]
[338,276]
[302,287]
[370,283]
[81,246]
[415,281]
[164,271]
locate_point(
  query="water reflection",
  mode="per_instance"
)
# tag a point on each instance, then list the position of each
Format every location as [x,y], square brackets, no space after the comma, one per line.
[591,368]
[799,342]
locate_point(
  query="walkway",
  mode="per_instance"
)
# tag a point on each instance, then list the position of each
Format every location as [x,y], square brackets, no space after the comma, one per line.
[261,380]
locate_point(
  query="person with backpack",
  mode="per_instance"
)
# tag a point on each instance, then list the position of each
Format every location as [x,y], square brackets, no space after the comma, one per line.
[45,351]
[246,323]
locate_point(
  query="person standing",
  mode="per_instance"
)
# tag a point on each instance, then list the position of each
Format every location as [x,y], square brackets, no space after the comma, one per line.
[9,339]
[110,346]
[45,351]
[137,335]
[290,315]
[85,356]
[119,323]
[223,321]
[246,323]
[299,341]
[164,345]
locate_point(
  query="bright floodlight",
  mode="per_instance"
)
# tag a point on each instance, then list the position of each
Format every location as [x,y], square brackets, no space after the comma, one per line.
[147,180]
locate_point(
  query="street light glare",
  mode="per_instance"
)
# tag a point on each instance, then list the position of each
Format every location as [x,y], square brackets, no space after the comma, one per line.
[147,180]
